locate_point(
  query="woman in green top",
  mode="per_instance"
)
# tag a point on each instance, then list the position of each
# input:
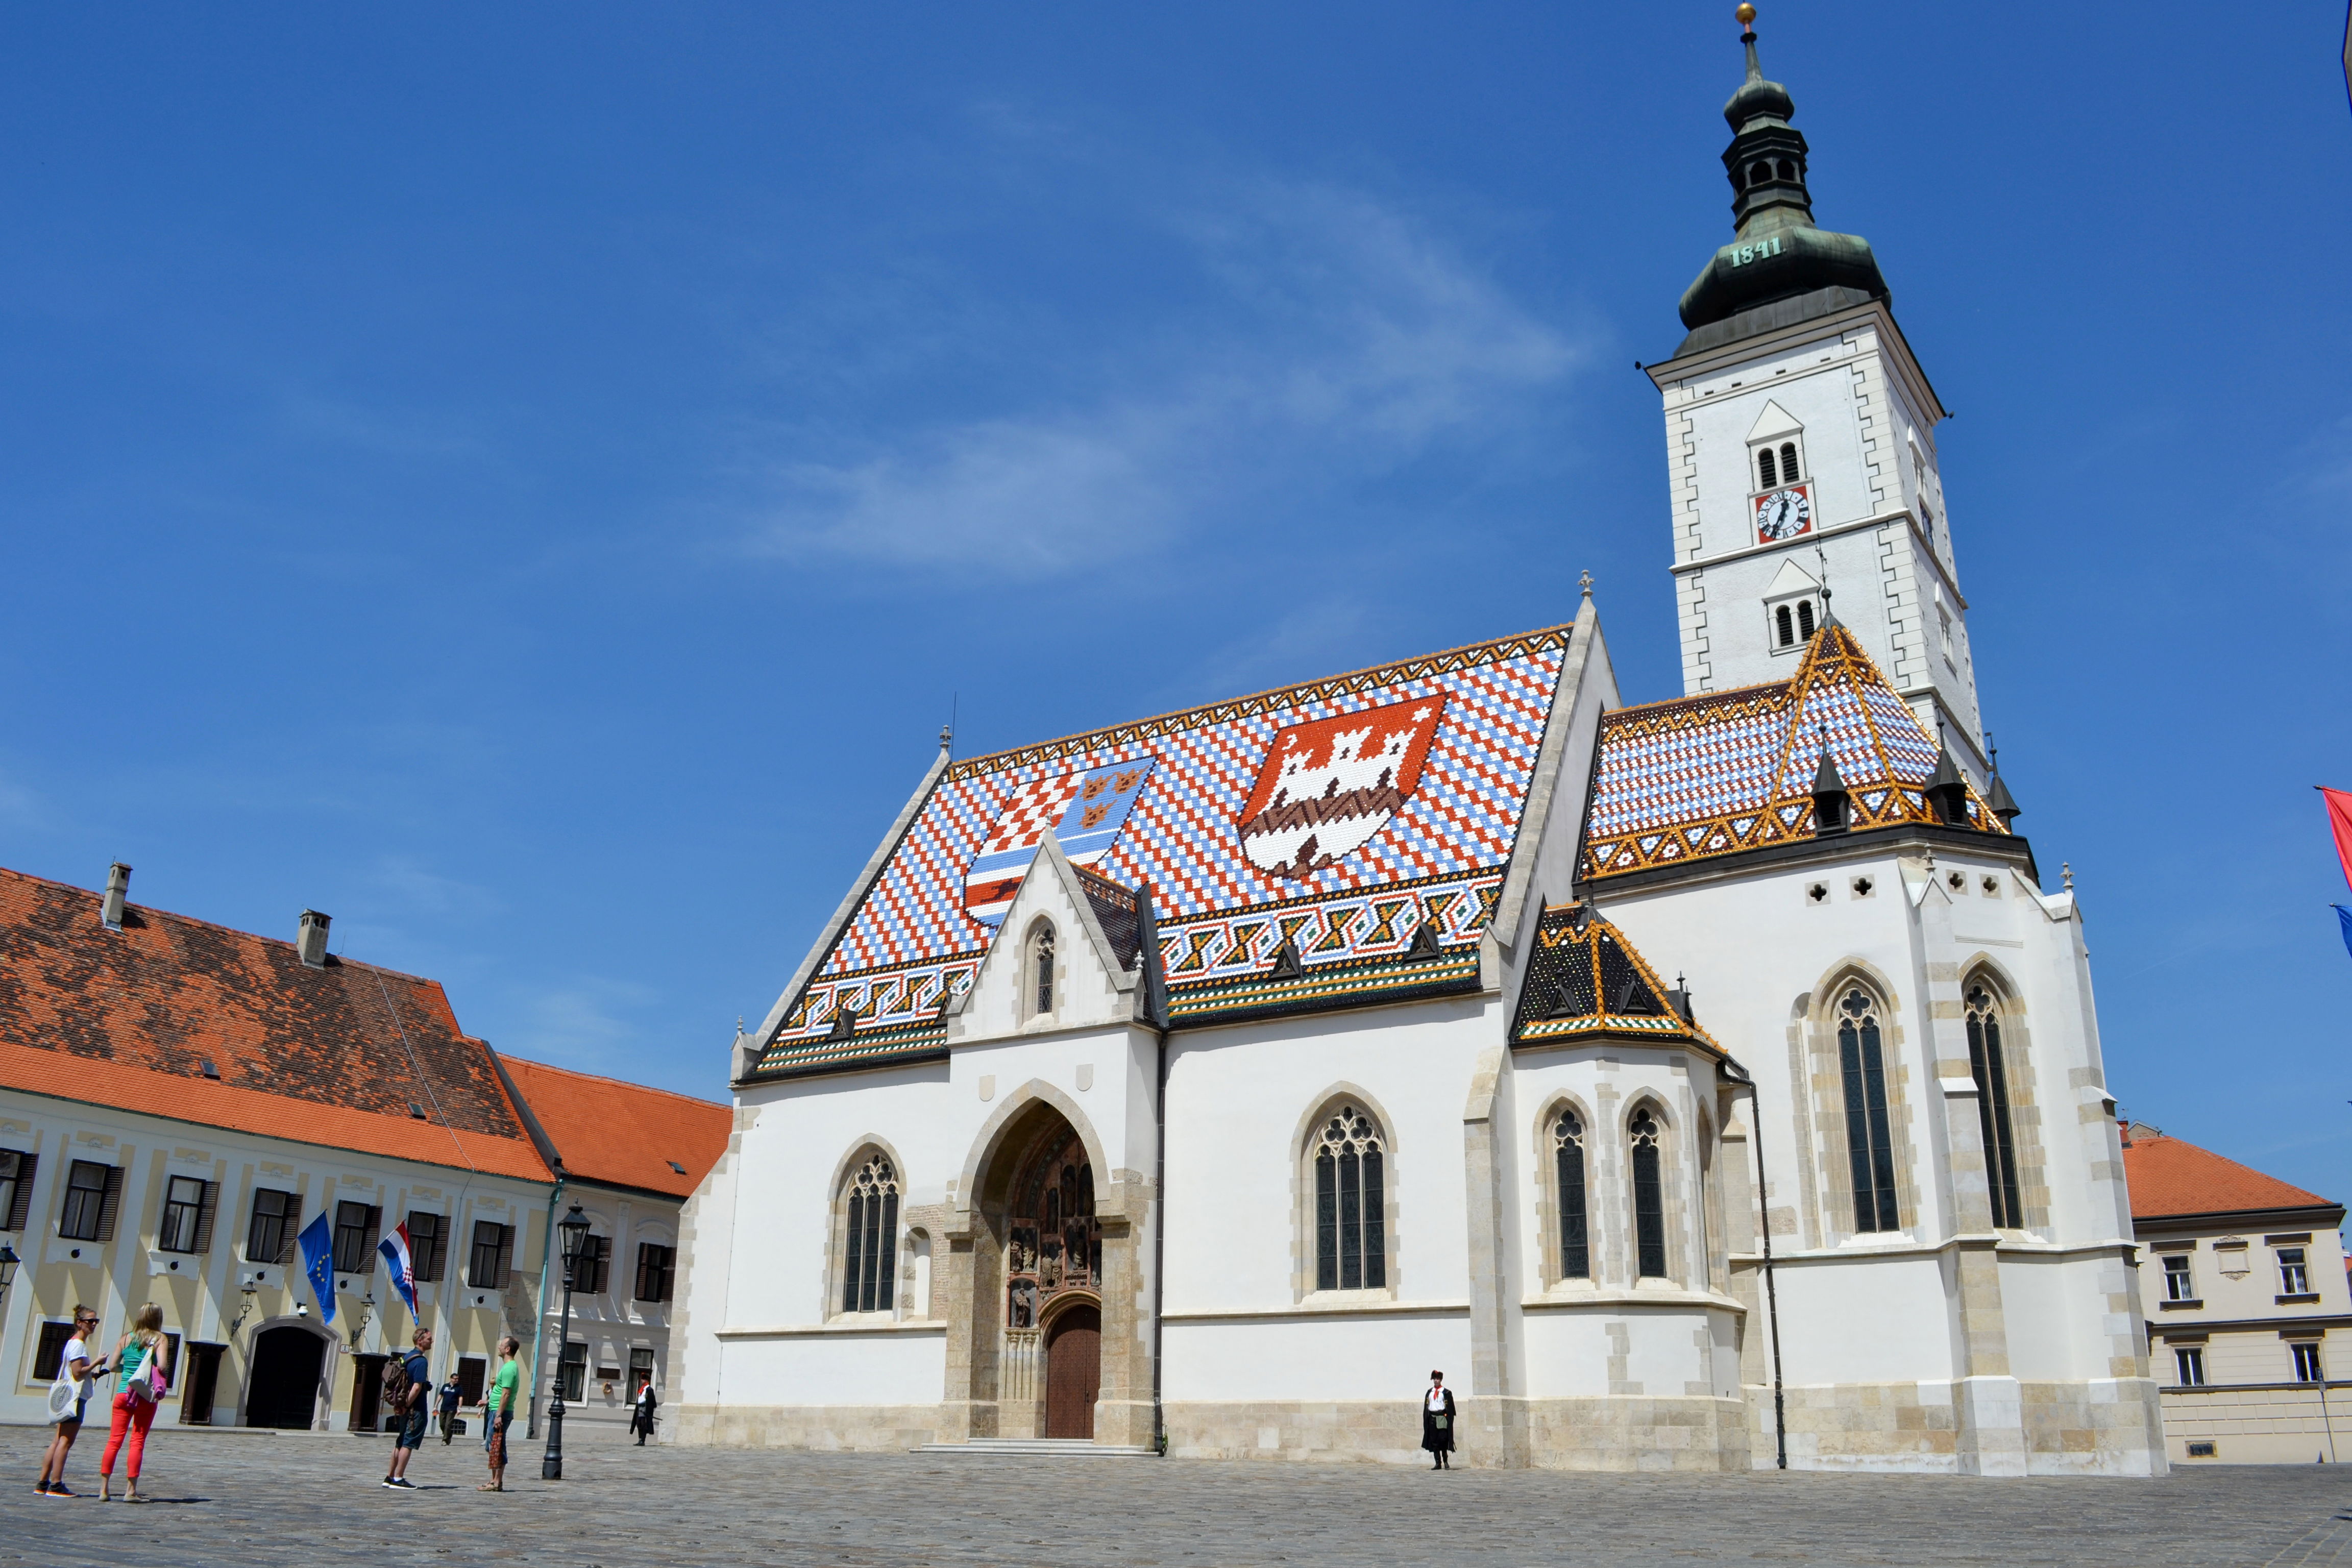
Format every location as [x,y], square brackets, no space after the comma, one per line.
[135,1406]
[497,1412]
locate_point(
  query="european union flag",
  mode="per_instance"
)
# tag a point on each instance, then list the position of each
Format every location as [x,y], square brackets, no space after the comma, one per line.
[319,1263]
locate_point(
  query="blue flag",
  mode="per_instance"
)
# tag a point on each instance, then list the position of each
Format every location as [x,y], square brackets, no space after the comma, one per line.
[319,1263]
[2344,918]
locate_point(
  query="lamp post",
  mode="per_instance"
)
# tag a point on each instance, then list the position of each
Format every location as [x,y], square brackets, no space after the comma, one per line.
[574,1227]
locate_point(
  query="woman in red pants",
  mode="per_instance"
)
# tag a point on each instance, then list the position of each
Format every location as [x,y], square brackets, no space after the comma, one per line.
[134,1405]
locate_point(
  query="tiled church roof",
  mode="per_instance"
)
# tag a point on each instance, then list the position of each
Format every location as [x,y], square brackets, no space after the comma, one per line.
[1723,772]
[1587,981]
[1340,818]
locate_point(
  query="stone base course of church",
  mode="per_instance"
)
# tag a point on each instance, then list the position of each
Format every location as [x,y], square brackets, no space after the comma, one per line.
[2110,1427]
[818,1428]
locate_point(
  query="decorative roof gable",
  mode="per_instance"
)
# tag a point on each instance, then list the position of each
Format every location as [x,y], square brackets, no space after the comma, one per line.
[1360,823]
[1719,773]
[1586,981]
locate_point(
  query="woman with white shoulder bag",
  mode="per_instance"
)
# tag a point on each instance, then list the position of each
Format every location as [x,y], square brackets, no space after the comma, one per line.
[68,1398]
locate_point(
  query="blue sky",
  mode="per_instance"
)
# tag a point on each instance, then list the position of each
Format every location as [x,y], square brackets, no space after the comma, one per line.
[531,482]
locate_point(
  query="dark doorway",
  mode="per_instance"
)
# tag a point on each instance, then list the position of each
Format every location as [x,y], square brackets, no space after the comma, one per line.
[201,1376]
[283,1391]
[1073,1372]
[367,1391]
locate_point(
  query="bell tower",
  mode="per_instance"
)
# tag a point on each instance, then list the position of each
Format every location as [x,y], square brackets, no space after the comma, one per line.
[1801,447]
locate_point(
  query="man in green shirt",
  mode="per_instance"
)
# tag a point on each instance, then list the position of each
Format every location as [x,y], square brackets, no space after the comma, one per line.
[497,1412]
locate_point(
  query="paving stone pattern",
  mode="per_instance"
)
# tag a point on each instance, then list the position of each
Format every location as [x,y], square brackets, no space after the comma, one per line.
[257,1501]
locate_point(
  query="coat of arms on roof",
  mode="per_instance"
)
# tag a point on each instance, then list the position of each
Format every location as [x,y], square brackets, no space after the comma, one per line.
[1327,786]
[1086,810]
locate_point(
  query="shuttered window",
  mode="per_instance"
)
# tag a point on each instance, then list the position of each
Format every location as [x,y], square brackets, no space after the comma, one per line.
[93,1200]
[593,1272]
[493,1243]
[428,1245]
[16,1168]
[657,1270]
[356,1227]
[270,1231]
[187,1223]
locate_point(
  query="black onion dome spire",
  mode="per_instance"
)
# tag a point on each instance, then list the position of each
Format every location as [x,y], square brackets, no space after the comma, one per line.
[1780,269]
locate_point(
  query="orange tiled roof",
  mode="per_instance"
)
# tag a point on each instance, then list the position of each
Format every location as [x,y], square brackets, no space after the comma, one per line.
[2170,1177]
[623,1134]
[335,1056]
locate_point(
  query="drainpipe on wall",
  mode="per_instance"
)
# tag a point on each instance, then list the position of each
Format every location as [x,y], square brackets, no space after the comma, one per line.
[1741,1076]
[538,1307]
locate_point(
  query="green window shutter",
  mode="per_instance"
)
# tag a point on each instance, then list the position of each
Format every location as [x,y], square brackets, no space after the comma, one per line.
[20,1208]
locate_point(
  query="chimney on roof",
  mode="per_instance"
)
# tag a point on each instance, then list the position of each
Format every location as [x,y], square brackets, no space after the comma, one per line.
[118,890]
[311,941]
[1948,792]
[1833,805]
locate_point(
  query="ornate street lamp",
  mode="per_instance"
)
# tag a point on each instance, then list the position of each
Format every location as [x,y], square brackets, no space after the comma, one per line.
[360,1316]
[574,1227]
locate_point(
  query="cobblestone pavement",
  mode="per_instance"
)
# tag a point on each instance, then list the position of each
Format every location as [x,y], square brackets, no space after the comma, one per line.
[255,1501]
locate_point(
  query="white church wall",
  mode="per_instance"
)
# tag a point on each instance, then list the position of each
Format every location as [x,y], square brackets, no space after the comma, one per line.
[1241,1101]
[1327,1356]
[1884,1320]
[898,1367]
[1815,383]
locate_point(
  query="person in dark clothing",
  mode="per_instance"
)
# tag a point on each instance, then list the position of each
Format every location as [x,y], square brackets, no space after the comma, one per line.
[451,1396]
[641,1415]
[1437,1423]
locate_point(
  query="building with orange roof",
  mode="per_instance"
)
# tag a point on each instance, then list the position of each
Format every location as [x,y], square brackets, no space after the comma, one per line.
[629,1156]
[2243,1283]
[178,1100]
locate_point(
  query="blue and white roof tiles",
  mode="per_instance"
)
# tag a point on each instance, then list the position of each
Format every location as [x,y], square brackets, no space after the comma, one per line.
[1293,845]
[1722,772]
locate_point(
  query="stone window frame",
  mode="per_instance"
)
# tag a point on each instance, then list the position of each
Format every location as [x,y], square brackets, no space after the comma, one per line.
[1833,1182]
[1303,1142]
[1549,1206]
[2025,1107]
[1673,1202]
[1025,1006]
[836,1233]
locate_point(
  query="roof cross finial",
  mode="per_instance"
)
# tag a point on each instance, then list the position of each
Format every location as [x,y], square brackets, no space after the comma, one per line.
[1584,581]
[2066,871]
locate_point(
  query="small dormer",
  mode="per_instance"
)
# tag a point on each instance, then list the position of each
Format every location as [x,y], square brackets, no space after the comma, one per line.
[1776,451]
[1793,608]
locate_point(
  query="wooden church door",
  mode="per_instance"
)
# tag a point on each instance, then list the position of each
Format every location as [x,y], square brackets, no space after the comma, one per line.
[1073,1372]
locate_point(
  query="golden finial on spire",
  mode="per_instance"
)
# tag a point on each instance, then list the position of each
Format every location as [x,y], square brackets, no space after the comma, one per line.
[1747,15]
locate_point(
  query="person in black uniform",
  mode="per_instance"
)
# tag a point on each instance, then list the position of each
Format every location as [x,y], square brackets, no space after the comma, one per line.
[1437,1422]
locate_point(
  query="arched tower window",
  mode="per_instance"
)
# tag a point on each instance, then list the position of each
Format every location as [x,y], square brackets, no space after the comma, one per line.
[1788,627]
[1350,1203]
[1760,172]
[1788,462]
[1991,1074]
[1787,170]
[1575,1247]
[1040,970]
[1869,1137]
[1805,620]
[1648,1197]
[872,1239]
[1767,473]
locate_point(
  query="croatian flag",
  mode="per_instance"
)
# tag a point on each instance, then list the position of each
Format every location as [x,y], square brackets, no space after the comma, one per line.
[395,1249]
[319,1264]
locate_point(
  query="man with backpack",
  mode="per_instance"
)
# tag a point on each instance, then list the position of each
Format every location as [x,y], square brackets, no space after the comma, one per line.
[408,1391]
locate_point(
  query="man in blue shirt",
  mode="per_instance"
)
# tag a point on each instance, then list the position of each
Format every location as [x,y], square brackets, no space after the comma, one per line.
[413,1403]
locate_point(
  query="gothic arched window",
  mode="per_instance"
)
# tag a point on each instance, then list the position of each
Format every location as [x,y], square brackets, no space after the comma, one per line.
[1787,627]
[1767,474]
[872,1239]
[1040,970]
[1991,1074]
[1805,619]
[1869,1135]
[1648,1197]
[1350,1198]
[1575,1249]
[1788,462]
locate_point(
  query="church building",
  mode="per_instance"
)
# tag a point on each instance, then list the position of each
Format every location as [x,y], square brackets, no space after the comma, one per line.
[1198,1084]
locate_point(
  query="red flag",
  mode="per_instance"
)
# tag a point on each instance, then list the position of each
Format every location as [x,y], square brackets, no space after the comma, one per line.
[2339,818]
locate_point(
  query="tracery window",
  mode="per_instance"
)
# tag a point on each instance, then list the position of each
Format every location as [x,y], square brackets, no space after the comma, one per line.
[1575,1247]
[873,1237]
[1869,1132]
[1041,971]
[1991,1072]
[1648,1197]
[1350,1203]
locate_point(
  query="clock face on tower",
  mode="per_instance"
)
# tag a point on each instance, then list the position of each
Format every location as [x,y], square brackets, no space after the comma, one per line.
[1784,514]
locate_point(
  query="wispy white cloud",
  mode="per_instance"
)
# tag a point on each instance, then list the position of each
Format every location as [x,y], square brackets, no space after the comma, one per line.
[594,1023]
[1345,337]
